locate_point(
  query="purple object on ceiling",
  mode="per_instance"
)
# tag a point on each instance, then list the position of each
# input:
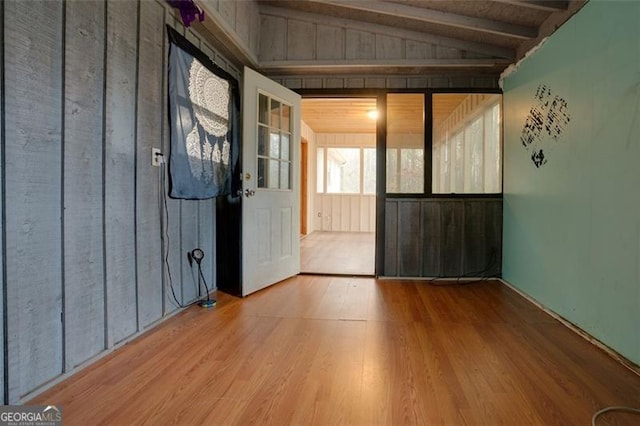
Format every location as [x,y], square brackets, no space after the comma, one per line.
[189,10]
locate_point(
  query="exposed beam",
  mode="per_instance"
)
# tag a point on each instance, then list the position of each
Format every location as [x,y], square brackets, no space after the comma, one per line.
[548,5]
[368,65]
[436,17]
[481,48]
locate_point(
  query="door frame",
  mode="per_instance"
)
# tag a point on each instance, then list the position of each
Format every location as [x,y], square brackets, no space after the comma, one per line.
[381,131]
[304,184]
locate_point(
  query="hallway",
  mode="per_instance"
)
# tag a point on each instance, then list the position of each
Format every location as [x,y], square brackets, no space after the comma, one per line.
[342,253]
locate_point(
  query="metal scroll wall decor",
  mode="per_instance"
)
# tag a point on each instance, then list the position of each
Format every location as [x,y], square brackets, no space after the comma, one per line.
[549,116]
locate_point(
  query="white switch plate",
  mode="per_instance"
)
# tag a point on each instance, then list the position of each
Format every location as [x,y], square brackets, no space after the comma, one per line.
[156,159]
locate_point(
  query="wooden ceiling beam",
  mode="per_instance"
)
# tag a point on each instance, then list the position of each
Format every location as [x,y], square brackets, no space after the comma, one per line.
[368,65]
[352,24]
[436,17]
[546,5]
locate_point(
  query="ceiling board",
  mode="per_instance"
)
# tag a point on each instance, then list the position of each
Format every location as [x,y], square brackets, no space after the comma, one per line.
[404,37]
[344,115]
[349,115]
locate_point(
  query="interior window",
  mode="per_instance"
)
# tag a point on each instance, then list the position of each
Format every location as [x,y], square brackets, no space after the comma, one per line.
[405,143]
[348,170]
[467,143]
[369,171]
[343,170]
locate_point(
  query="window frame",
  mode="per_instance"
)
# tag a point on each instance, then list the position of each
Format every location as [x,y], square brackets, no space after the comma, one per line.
[381,196]
[428,145]
[325,170]
[280,131]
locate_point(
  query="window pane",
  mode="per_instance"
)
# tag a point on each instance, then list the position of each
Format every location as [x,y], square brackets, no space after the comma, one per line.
[263,137]
[392,170]
[262,172]
[445,165]
[275,114]
[320,168]
[286,118]
[411,170]
[436,166]
[263,109]
[343,170]
[274,172]
[492,150]
[284,175]
[457,159]
[369,172]
[467,151]
[274,145]
[472,167]
[405,134]
[285,146]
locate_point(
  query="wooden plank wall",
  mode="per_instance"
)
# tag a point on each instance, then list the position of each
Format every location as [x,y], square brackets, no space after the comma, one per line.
[2,191]
[239,22]
[120,169]
[84,299]
[421,82]
[443,237]
[298,36]
[84,102]
[149,135]
[343,212]
[346,212]
[33,174]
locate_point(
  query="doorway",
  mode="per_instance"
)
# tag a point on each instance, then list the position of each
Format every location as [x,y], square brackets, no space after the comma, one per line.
[340,135]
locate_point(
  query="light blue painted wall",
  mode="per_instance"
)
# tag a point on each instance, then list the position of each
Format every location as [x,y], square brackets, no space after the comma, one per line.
[572,226]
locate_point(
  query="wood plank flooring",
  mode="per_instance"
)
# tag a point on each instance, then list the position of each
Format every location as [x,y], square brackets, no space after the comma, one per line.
[347,253]
[355,351]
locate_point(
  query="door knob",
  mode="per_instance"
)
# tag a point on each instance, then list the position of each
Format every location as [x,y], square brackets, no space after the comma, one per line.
[249,192]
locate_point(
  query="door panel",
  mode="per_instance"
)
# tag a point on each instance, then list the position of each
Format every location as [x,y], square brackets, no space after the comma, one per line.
[271,179]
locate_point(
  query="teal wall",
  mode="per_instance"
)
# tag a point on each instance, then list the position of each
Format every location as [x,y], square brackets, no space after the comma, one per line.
[572,226]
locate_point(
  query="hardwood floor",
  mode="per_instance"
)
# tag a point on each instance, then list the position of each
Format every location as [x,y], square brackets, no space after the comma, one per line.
[347,253]
[331,350]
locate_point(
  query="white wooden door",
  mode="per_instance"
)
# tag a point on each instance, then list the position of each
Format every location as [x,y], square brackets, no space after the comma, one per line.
[271,183]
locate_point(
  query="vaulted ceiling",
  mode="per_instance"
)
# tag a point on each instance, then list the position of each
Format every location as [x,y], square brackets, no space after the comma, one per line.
[376,44]
[403,36]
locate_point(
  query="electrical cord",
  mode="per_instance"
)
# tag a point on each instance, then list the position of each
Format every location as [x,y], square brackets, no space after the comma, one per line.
[164,235]
[204,281]
[613,408]
[490,263]
[438,281]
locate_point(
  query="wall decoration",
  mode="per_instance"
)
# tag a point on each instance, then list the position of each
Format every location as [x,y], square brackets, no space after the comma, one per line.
[189,11]
[547,118]
[203,107]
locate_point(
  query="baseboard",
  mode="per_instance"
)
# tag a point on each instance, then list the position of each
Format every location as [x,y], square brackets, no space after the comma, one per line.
[630,365]
[331,274]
